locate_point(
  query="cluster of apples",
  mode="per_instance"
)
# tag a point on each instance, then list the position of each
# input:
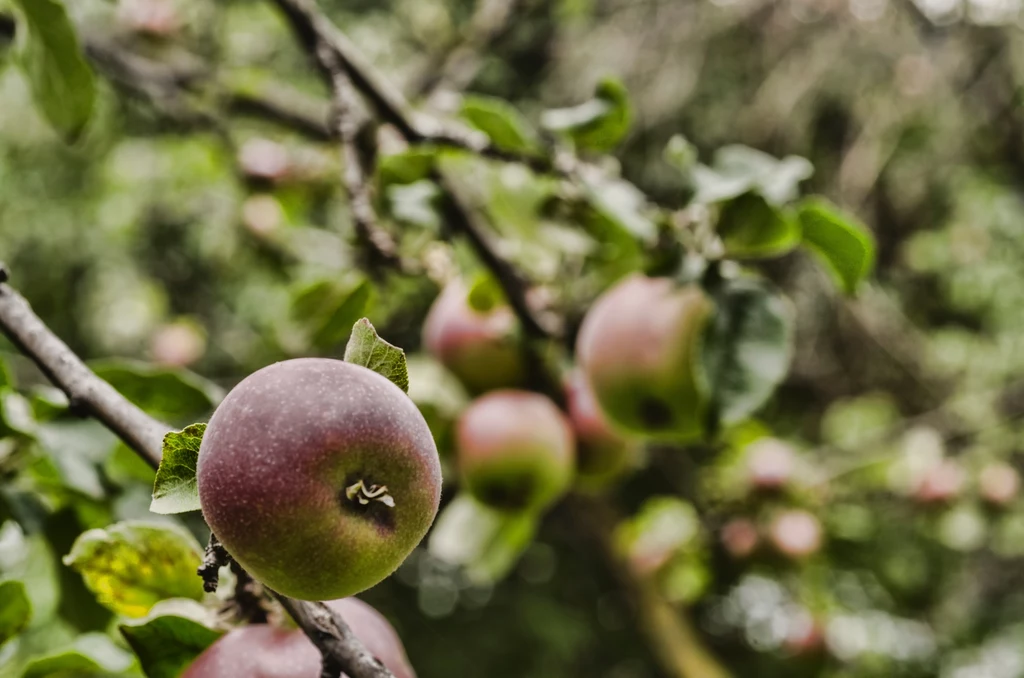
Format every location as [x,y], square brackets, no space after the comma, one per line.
[320,476]
[516,450]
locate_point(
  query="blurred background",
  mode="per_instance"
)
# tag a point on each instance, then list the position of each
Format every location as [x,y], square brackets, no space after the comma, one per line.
[190,233]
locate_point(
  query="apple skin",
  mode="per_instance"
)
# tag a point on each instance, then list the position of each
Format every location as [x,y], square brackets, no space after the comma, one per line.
[638,345]
[941,484]
[275,462]
[480,348]
[999,484]
[796,534]
[264,651]
[515,450]
[740,538]
[602,453]
[770,464]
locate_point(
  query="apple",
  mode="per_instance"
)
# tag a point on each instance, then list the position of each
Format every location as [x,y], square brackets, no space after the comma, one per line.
[770,463]
[796,534]
[515,450]
[999,483]
[177,344]
[638,348]
[318,476]
[478,347]
[602,453]
[264,651]
[265,160]
[155,18]
[941,483]
[740,538]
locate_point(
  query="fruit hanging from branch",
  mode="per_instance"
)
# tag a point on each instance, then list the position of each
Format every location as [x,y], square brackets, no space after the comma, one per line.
[638,347]
[318,476]
[265,651]
[515,450]
[477,344]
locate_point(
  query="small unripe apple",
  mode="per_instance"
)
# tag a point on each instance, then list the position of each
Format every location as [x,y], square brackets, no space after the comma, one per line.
[156,18]
[638,347]
[941,483]
[770,463]
[318,476]
[740,538]
[805,636]
[515,450]
[177,344]
[265,160]
[602,453]
[264,651]
[796,534]
[999,483]
[478,347]
[262,215]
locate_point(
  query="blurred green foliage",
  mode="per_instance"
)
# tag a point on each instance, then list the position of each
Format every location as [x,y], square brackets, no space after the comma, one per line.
[184,234]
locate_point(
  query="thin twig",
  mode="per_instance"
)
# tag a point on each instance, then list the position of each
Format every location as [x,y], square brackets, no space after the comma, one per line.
[144,435]
[457,65]
[378,242]
[466,219]
[313,28]
[214,558]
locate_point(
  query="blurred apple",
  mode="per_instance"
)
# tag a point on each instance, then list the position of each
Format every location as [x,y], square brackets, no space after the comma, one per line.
[805,635]
[941,483]
[770,463]
[796,534]
[157,18]
[262,215]
[177,344]
[740,537]
[602,453]
[265,160]
[999,483]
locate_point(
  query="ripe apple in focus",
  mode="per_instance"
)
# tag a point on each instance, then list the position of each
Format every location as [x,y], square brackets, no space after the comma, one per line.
[515,450]
[638,347]
[318,476]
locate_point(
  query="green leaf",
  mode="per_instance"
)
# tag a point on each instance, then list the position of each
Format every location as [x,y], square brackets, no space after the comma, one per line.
[170,637]
[369,350]
[484,542]
[844,246]
[747,348]
[77,448]
[599,123]
[739,169]
[406,167]
[131,566]
[750,227]
[622,205]
[172,394]
[175,489]
[15,609]
[6,377]
[91,654]
[499,120]
[485,293]
[62,83]
[329,309]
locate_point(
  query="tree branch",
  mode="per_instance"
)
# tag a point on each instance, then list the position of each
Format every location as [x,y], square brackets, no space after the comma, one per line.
[381,247]
[313,28]
[341,649]
[458,64]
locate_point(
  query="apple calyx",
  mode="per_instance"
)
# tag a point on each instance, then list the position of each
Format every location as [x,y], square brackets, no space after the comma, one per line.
[364,494]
